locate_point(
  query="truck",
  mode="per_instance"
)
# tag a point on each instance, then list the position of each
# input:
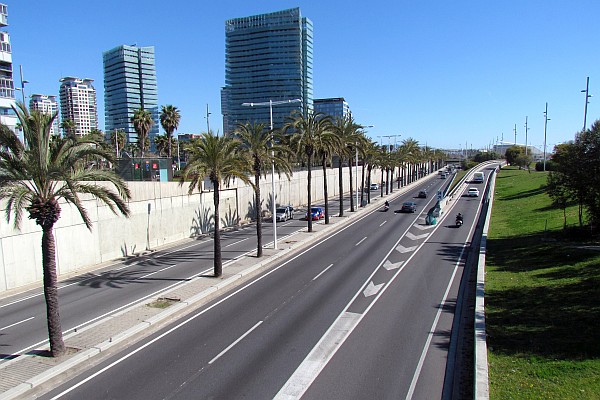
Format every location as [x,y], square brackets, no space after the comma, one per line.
[478,177]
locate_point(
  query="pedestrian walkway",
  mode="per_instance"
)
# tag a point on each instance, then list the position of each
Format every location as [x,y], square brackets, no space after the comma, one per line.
[31,373]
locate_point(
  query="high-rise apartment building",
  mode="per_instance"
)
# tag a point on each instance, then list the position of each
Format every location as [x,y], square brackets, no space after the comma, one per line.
[46,104]
[334,107]
[7,86]
[78,104]
[268,57]
[129,84]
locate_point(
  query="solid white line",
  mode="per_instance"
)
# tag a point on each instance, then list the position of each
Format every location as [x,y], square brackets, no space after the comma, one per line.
[236,342]
[16,323]
[322,272]
[361,240]
[383,223]
[239,241]
[156,272]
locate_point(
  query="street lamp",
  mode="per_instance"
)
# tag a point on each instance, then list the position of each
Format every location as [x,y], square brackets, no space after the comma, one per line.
[546,119]
[23,82]
[587,96]
[272,103]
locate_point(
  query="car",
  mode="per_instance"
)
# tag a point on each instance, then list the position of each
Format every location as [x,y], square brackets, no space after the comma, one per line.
[422,194]
[443,176]
[473,192]
[409,206]
[374,186]
[282,214]
[316,213]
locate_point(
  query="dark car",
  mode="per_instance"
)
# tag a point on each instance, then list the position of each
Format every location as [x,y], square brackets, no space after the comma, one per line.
[409,206]
[316,213]
[423,194]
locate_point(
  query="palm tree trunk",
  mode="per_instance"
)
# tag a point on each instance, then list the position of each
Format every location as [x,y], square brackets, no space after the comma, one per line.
[341,184]
[325,194]
[218,262]
[55,335]
[169,134]
[369,184]
[351,186]
[362,184]
[258,208]
[308,188]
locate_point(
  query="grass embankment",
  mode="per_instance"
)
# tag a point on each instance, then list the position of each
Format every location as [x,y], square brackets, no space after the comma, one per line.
[542,297]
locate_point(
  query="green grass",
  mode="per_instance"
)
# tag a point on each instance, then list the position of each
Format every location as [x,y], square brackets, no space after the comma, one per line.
[542,297]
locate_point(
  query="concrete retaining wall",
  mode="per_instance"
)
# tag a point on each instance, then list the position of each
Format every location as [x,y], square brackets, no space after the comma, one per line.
[161,213]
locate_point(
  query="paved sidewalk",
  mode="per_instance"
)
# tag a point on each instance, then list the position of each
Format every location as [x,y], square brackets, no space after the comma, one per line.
[28,374]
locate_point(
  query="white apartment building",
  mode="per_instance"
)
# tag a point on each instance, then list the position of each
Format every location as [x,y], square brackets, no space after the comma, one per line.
[78,104]
[46,104]
[7,86]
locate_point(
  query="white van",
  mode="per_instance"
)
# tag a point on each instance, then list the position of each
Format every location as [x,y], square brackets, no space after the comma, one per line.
[478,177]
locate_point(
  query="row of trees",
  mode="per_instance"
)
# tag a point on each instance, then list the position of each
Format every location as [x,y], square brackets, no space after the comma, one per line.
[39,174]
[576,175]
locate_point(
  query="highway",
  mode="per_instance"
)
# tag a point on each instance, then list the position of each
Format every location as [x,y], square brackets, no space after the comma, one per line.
[365,313]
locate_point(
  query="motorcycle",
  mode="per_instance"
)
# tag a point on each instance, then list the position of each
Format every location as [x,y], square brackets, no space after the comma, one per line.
[459,222]
[386,207]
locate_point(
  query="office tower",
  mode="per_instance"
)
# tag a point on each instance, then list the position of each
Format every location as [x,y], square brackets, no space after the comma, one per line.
[46,104]
[7,86]
[334,107]
[78,104]
[268,57]
[129,84]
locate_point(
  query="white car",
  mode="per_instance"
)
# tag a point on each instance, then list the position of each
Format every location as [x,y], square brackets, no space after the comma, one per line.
[282,214]
[374,186]
[473,192]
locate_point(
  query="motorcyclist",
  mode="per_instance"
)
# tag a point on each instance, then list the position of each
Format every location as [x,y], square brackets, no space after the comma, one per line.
[459,217]
[386,204]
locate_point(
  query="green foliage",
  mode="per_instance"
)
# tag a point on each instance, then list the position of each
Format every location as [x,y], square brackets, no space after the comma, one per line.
[550,166]
[486,156]
[142,123]
[542,292]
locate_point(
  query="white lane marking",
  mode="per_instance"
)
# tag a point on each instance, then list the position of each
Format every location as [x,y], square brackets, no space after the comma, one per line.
[239,241]
[322,272]
[361,240]
[403,249]
[423,227]
[372,289]
[416,237]
[383,223]
[16,323]
[388,265]
[235,342]
[156,272]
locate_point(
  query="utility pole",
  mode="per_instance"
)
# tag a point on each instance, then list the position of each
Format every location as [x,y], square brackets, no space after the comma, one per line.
[546,119]
[207,120]
[515,134]
[587,96]
[526,129]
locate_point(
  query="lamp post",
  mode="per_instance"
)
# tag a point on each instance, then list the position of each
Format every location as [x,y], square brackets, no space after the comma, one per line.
[23,82]
[272,103]
[546,119]
[587,96]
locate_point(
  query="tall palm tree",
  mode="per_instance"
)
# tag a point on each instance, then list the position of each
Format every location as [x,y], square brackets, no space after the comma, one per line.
[412,150]
[68,127]
[328,143]
[306,131]
[216,157]
[169,119]
[263,151]
[347,131]
[142,123]
[162,145]
[118,140]
[38,177]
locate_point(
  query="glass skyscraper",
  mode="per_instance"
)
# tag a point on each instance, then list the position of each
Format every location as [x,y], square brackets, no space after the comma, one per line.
[129,84]
[267,57]
[334,107]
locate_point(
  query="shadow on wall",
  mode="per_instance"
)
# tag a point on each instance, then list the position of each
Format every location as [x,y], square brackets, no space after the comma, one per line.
[202,222]
[231,218]
[251,214]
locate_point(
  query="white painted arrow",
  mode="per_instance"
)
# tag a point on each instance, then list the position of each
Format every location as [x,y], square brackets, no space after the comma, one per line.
[423,227]
[372,289]
[403,249]
[416,237]
[390,265]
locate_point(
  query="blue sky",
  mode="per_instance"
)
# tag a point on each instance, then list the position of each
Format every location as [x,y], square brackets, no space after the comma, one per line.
[448,74]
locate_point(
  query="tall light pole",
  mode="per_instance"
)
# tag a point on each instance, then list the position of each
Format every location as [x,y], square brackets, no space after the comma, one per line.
[207,121]
[587,96]
[546,119]
[272,103]
[23,82]
[526,129]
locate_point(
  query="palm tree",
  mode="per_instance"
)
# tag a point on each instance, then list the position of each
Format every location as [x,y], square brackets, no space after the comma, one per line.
[261,148]
[169,119]
[162,144]
[38,177]
[68,127]
[216,157]
[142,123]
[305,141]
[328,143]
[348,133]
[118,140]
